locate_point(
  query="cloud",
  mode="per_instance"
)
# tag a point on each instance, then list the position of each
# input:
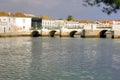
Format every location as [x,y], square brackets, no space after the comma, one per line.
[42,3]
[54,8]
[48,4]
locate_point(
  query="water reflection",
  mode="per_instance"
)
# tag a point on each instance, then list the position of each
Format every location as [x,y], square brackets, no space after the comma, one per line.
[59,59]
[70,60]
[15,56]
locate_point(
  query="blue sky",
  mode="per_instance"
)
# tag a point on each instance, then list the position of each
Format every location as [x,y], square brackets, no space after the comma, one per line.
[57,9]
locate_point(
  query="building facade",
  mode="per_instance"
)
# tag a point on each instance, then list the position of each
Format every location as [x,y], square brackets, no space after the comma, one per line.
[22,23]
[116,25]
[5,24]
[14,24]
[52,24]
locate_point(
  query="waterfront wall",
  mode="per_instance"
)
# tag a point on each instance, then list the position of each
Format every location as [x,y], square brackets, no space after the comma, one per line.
[100,34]
[90,33]
[58,33]
[116,34]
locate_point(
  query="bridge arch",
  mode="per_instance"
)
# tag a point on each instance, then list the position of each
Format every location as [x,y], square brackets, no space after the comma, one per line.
[52,33]
[72,33]
[103,34]
[35,33]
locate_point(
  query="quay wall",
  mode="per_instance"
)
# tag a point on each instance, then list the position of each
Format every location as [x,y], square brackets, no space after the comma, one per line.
[100,34]
[20,34]
[116,34]
[84,34]
[90,34]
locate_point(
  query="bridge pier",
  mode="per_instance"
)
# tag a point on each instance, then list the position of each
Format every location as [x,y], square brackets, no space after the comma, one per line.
[116,34]
[90,34]
[84,33]
[99,34]
[64,34]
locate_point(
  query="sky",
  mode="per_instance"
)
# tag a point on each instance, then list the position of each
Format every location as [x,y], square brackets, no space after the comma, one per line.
[57,9]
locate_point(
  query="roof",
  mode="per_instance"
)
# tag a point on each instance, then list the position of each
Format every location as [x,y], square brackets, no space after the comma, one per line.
[18,14]
[45,17]
[105,21]
[86,21]
[4,13]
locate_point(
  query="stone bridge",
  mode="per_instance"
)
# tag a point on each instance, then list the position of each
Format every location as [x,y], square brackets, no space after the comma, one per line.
[63,32]
[86,33]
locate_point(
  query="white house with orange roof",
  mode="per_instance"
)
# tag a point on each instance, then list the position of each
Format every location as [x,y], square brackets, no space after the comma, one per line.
[87,24]
[14,24]
[104,24]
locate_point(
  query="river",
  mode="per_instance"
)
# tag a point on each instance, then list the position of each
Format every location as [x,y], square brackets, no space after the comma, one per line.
[43,58]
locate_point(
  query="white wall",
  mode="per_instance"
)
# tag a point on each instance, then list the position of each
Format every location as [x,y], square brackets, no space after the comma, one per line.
[52,23]
[4,24]
[14,24]
[88,26]
[23,23]
[72,25]
[116,25]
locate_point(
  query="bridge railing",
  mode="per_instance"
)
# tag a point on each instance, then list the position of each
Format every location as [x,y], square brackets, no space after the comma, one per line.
[104,27]
[36,28]
[74,27]
[51,27]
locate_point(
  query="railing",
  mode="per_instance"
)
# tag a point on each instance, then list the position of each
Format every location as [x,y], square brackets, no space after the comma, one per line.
[104,27]
[37,28]
[74,27]
[59,27]
[52,27]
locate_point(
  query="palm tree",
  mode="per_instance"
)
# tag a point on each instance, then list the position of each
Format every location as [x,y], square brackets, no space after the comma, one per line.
[69,18]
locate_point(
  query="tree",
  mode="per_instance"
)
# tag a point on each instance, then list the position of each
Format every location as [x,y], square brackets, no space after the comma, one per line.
[69,18]
[108,6]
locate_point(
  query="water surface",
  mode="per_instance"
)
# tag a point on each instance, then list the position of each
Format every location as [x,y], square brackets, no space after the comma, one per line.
[26,58]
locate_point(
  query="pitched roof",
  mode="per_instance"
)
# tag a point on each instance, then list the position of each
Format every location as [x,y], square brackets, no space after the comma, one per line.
[86,21]
[105,21]
[4,13]
[18,14]
[46,17]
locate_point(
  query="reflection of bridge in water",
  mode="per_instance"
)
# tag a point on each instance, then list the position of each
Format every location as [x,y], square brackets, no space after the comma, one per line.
[81,32]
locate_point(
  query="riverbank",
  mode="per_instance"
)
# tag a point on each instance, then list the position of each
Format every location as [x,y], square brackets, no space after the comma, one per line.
[14,34]
[21,34]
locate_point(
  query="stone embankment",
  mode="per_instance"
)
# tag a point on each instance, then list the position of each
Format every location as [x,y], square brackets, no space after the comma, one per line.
[15,34]
[84,34]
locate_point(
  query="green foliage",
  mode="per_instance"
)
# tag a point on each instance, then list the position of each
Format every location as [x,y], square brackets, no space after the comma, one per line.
[69,18]
[108,6]
[60,19]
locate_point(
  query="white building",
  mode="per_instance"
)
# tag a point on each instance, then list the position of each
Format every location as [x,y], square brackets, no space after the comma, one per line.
[22,23]
[5,24]
[72,25]
[52,24]
[14,24]
[107,24]
[88,26]
[116,25]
